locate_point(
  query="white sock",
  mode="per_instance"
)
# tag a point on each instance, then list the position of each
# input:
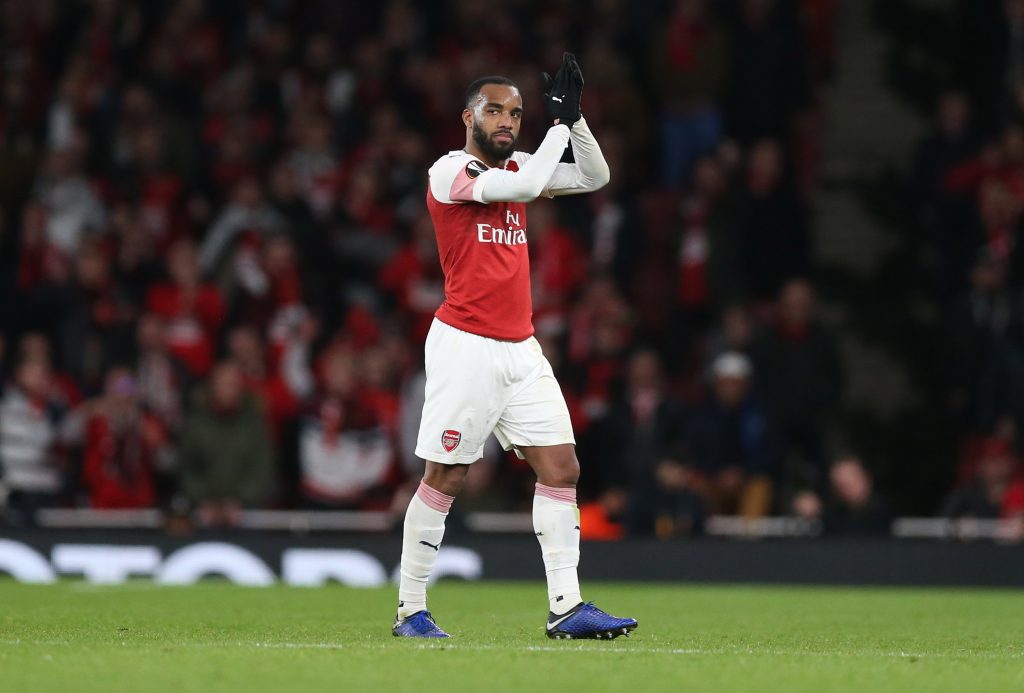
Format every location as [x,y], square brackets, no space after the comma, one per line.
[556,521]
[421,541]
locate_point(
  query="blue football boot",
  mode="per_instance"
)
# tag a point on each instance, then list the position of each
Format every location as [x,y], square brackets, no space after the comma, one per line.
[419,625]
[586,621]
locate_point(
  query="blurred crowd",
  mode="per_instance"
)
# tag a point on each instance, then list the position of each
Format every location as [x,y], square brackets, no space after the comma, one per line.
[218,270]
[968,185]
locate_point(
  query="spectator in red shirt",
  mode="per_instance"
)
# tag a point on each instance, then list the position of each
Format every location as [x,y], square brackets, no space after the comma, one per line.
[555,272]
[123,445]
[414,280]
[192,308]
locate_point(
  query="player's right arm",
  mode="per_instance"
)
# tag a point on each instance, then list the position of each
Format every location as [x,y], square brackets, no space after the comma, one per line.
[457,179]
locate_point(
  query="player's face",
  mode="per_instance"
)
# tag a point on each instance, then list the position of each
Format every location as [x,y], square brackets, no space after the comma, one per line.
[495,117]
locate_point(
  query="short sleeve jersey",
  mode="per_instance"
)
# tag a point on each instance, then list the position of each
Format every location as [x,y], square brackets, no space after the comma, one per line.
[483,251]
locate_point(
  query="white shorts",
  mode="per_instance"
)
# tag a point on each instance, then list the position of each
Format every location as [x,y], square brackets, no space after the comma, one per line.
[476,386]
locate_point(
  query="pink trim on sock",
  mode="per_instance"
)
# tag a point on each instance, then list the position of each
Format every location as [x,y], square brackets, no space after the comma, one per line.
[565,495]
[434,498]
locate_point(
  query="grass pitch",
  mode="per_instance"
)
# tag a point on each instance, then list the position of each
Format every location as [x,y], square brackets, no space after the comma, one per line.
[217,637]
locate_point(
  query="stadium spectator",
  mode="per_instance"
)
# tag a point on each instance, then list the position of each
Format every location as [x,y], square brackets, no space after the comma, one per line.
[765,212]
[161,379]
[64,391]
[601,520]
[238,232]
[413,279]
[166,206]
[72,209]
[984,336]
[281,381]
[799,375]
[994,492]
[943,216]
[226,461]
[769,75]
[731,443]
[641,433]
[124,447]
[690,63]
[193,310]
[31,474]
[344,450]
[735,332]
[853,507]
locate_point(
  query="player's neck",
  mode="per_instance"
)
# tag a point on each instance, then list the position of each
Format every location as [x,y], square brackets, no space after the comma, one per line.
[475,151]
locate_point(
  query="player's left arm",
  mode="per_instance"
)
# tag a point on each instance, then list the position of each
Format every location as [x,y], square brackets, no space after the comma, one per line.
[589,173]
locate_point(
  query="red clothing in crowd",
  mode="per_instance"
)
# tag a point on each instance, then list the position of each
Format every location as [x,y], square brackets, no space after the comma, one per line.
[417,286]
[968,176]
[118,465]
[595,525]
[1013,500]
[557,269]
[192,322]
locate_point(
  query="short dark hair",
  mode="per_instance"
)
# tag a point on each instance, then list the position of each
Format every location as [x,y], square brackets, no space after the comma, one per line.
[478,84]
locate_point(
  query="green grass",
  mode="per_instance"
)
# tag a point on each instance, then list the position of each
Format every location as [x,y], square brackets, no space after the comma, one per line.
[216,637]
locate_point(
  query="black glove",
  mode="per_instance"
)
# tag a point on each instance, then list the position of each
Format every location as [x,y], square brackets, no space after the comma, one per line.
[562,92]
[569,60]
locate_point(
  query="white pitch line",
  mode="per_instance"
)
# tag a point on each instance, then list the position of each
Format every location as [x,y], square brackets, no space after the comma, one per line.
[546,648]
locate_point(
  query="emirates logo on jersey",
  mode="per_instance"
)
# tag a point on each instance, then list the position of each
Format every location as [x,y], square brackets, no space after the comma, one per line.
[450,440]
[485,233]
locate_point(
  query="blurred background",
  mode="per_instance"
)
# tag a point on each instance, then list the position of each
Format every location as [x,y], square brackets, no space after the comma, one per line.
[796,309]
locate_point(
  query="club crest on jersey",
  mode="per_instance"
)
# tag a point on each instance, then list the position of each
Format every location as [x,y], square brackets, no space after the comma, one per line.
[450,440]
[475,168]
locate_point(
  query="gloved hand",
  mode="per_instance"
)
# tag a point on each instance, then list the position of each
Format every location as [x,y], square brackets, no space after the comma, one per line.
[569,61]
[562,93]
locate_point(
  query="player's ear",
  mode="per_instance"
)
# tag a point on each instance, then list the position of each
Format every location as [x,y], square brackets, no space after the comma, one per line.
[467,117]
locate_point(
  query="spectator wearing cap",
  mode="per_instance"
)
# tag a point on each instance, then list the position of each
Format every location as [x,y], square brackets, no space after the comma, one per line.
[730,442]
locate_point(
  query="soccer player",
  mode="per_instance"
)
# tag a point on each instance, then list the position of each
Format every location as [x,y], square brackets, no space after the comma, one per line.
[485,370]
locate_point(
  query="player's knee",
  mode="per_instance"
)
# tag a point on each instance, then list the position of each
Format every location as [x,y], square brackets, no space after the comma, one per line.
[446,478]
[566,473]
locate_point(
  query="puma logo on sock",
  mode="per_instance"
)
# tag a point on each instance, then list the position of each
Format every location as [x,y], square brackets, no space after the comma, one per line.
[427,543]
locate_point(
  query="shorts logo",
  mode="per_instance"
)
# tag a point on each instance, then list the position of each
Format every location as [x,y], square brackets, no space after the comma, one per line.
[450,440]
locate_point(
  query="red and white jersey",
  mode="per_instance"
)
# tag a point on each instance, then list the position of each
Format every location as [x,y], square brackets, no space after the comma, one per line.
[479,217]
[483,251]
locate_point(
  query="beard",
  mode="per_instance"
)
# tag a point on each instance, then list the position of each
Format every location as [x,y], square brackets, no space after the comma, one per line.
[489,146]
